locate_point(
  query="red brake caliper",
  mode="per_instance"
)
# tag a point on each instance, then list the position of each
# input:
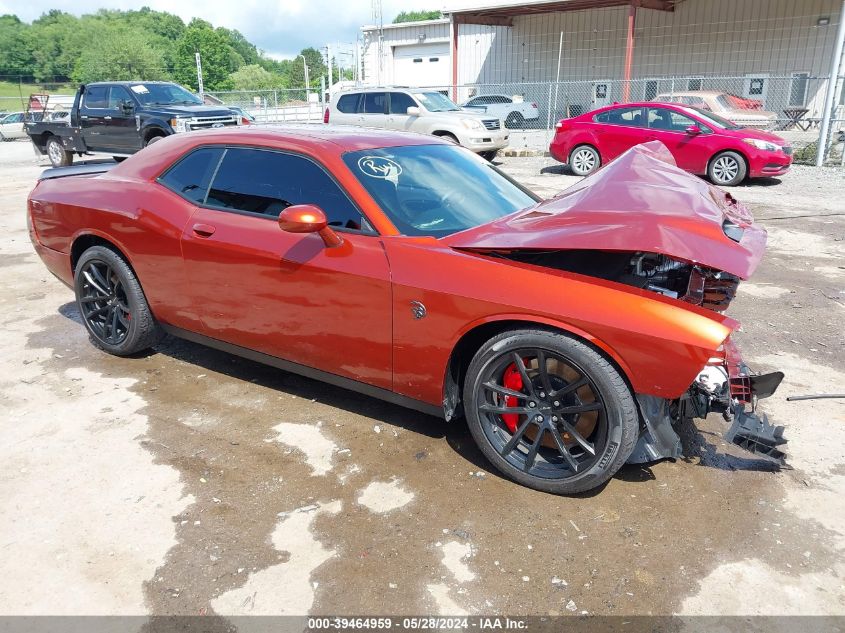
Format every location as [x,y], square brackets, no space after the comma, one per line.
[512,380]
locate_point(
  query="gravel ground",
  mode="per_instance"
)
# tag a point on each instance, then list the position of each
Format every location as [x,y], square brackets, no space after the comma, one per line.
[191,482]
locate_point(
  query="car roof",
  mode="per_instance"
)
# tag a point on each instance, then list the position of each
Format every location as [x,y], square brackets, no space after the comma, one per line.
[694,93]
[127,83]
[312,138]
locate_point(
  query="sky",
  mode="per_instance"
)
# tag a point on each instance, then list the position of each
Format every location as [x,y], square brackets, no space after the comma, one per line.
[281,28]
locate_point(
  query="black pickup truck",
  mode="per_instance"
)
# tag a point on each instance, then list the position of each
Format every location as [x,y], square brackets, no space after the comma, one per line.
[122,117]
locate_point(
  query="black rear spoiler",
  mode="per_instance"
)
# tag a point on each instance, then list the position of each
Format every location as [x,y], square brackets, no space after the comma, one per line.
[85,169]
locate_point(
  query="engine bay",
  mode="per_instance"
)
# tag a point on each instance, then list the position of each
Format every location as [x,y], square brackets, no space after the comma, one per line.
[698,285]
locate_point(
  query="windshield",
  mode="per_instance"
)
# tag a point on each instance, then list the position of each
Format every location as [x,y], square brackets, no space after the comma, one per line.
[436,190]
[713,119]
[164,94]
[436,102]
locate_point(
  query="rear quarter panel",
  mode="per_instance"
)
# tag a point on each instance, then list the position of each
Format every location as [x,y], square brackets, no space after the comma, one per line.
[143,220]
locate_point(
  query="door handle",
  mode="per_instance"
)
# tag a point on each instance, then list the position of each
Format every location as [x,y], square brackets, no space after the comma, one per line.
[107,118]
[203,230]
[83,116]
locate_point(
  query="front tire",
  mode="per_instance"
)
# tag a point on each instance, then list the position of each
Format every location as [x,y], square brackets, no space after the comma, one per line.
[549,412]
[58,155]
[727,169]
[584,160]
[489,156]
[112,304]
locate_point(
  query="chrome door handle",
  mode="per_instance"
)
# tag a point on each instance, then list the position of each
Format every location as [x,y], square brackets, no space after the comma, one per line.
[107,118]
[83,116]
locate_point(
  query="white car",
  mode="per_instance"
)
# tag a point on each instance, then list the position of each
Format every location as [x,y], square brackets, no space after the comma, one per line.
[514,111]
[418,110]
[11,126]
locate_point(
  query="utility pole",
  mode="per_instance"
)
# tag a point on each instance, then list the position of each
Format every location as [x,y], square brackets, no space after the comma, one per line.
[305,67]
[329,63]
[199,76]
[830,94]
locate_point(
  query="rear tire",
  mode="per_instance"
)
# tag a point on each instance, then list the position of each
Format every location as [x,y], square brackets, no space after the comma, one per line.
[58,155]
[584,160]
[514,121]
[727,169]
[112,304]
[579,399]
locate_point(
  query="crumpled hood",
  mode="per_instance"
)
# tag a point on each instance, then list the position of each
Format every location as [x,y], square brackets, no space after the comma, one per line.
[639,202]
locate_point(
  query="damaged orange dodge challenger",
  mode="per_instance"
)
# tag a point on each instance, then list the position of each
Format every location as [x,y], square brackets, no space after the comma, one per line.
[573,334]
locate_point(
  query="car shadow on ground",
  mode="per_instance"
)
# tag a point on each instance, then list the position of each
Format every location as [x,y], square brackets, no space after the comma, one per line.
[455,432]
[556,170]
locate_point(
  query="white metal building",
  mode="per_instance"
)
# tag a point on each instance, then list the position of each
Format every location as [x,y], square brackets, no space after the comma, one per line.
[413,54]
[771,49]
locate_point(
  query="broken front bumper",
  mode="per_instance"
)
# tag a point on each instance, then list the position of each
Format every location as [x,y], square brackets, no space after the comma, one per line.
[727,387]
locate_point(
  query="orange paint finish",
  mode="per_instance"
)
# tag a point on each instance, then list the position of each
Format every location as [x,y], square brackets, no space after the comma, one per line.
[642,332]
[346,309]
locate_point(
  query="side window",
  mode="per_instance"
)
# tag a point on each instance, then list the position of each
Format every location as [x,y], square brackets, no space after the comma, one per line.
[375,102]
[117,94]
[669,120]
[348,104]
[266,182]
[96,97]
[190,176]
[622,116]
[400,102]
[501,99]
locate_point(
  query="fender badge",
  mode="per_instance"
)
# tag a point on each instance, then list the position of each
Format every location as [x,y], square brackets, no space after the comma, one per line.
[418,309]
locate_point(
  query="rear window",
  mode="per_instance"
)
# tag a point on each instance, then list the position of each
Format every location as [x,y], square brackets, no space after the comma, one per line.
[190,176]
[622,116]
[348,104]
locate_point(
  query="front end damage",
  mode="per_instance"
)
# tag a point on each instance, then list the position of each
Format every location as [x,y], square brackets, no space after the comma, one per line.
[726,386]
[642,222]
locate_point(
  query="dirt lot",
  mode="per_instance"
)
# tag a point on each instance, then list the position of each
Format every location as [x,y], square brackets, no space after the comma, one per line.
[192,482]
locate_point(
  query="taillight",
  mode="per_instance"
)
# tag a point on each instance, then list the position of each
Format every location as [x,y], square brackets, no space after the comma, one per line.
[244,121]
[560,125]
[326,116]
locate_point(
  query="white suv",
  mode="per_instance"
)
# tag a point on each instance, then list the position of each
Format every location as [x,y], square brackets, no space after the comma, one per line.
[418,110]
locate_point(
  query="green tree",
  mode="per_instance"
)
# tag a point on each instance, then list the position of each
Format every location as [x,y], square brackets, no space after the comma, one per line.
[219,59]
[16,47]
[240,44]
[119,54]
[417,16]
[254,77]
[316,68]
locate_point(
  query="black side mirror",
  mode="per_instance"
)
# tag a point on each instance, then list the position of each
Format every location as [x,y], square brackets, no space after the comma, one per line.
[127,107]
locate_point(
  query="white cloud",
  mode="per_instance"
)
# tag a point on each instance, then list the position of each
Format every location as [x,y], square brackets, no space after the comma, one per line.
[281,28]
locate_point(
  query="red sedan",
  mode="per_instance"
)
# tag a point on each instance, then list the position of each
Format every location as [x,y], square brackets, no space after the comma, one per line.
[702,143]
[407,268]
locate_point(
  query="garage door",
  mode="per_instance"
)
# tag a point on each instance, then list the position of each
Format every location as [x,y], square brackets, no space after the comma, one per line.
[421,65]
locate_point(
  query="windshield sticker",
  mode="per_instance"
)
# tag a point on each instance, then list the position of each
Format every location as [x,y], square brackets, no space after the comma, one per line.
[140,89]
[380,167]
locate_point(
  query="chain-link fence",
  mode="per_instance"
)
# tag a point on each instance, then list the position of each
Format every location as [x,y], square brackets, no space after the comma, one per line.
[289,105]
[789,106]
